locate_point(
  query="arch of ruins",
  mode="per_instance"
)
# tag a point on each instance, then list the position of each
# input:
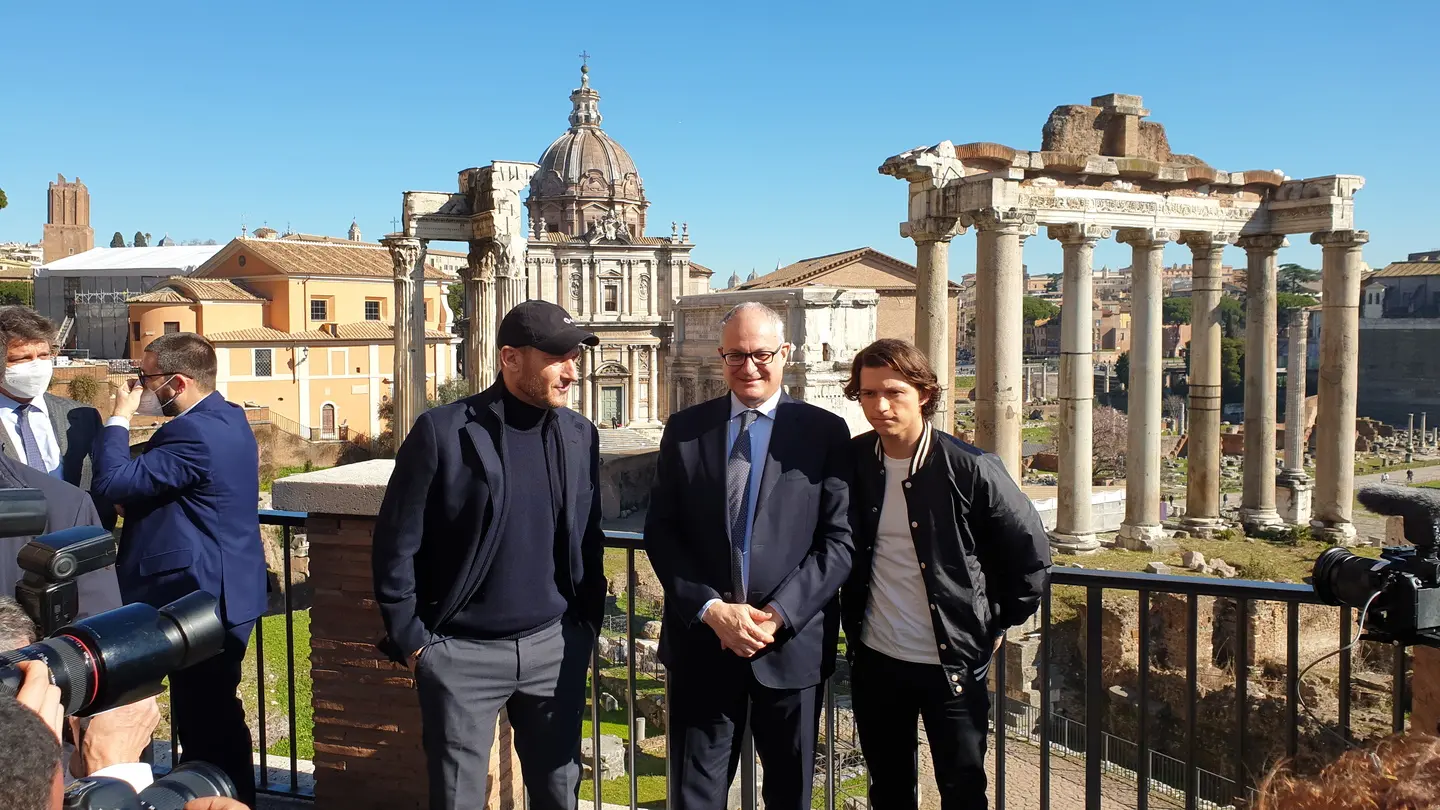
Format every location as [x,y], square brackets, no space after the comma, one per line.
[1103,172]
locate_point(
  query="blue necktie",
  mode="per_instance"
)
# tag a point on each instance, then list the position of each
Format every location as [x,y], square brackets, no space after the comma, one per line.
[737,497]
[27,437]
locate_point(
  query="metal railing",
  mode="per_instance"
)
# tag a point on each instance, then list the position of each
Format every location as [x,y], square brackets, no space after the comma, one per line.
[1074,760]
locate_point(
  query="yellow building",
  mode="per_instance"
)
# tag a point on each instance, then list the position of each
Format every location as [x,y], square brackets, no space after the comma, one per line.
[302,327]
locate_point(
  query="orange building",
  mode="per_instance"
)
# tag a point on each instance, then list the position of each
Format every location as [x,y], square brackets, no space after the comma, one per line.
[304,328]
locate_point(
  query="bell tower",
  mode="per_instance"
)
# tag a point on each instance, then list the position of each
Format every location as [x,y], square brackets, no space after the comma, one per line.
[67,231]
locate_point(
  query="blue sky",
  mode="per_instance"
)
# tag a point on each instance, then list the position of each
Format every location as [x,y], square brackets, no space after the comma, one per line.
[760,124]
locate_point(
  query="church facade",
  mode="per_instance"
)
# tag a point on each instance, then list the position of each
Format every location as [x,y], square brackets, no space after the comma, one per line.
[587,252]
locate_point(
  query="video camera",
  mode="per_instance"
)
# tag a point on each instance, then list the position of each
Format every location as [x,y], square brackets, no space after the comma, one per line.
[189,781]
[1402,588]
[109,659]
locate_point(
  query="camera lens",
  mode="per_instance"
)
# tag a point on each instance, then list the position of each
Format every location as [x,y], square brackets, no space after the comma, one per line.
[1342,578]
[188,782]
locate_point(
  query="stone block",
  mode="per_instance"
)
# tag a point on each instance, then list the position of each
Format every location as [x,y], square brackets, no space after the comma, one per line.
[1157,568]
[650,630]
[611,759]
[1193,560]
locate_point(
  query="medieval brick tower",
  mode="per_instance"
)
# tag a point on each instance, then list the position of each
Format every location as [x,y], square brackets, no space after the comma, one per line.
[68,230]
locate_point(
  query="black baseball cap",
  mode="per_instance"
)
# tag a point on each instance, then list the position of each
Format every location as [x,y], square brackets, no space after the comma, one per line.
[543,325]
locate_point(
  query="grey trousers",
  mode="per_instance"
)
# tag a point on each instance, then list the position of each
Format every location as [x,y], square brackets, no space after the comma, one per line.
[540,681]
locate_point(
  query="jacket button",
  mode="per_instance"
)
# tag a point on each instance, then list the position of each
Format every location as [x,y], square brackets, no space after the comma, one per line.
[932,607]
[907,484]
[942,646]
[959,690]
[874,509]
[914,525]
[922,566]
[954,677]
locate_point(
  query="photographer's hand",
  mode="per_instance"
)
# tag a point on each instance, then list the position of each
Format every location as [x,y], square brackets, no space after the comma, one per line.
[215,803]
[117,736]
[41,696]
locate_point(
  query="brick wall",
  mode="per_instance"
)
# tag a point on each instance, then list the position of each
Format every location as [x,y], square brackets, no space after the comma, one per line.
[367,717]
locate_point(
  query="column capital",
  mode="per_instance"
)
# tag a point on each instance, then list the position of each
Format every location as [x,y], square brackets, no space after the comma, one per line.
[1077,234]
[932,229]
[1009,221]
[1147,237]
[1340,238]
[1262,243]
[1204,244]
[404,253]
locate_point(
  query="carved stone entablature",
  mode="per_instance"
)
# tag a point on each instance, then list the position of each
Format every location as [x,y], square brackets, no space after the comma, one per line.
[1320,188]
[929,166]
[1074,233]
[1146,237]
[436,215]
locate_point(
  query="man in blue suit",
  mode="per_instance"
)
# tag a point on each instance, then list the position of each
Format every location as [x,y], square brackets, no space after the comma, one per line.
[191,524]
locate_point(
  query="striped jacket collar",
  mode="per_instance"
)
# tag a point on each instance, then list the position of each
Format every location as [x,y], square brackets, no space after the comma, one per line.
[922,451]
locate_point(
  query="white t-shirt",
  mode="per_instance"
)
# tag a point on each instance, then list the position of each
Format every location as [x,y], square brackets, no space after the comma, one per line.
[897,620]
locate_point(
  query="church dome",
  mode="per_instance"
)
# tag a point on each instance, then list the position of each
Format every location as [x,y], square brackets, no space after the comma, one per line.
[585,175]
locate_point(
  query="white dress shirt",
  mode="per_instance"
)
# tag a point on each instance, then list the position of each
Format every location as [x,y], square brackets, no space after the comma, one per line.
[38,418]
[759,435]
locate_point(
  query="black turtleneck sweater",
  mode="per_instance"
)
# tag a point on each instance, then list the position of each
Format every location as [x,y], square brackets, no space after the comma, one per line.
[519,594]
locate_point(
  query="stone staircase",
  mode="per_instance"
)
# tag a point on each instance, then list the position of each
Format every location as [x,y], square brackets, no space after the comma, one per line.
[623,440]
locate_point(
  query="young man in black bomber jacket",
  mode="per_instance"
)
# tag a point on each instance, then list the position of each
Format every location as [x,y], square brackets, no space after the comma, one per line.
[948,554]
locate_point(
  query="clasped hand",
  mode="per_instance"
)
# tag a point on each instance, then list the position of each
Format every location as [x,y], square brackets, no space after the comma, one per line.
[742,629]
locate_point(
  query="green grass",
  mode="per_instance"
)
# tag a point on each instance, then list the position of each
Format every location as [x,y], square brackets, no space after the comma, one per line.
[964,384]
[267,479]
[612,723]
[1041,434]
[277,696]
[649,788]
[1430,484]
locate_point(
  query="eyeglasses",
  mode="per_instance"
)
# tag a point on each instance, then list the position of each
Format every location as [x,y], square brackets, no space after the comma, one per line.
[761,358]
[142,376]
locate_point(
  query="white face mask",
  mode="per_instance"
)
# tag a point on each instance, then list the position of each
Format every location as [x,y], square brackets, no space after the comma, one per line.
[150,404]
[29,380]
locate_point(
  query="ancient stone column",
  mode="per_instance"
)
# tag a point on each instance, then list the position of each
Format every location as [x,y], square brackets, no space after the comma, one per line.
[1410,433]
[1423,432]
[1000,339]
[932,237]
[1141,527]
[1074,520]
[479,280]
[1293,486]
[406,253]
[1257,503]
[633,408]
[1202,485]
[1339,373]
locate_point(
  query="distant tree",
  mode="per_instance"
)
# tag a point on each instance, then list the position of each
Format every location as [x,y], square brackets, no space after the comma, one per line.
[117,240]
[1176,310]
[3,201]
[148,240]
[1053,285]
[1038,309]
[1111,429]
[140,240]
[17,292]
[1289,302]
[1291,277]
[1122,368]
[1232,369]
[1232,317]
[455,295]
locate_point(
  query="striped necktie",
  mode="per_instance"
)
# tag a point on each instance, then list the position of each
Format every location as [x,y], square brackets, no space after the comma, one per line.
[27,436]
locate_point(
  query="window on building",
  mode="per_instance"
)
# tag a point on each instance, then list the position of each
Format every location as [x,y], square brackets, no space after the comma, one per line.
[427,309]
[319,309]
[612,298]
[264,362]
[171,327]
[372,310]
[135,331]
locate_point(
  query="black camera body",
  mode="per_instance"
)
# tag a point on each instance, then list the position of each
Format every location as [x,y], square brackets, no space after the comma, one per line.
[1402,588]
[189,781]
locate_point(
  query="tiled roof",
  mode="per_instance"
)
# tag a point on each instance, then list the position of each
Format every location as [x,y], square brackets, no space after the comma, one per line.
[362,330]
[806,270]
[698,267]
[180,289]
[1402,269]
[343,258]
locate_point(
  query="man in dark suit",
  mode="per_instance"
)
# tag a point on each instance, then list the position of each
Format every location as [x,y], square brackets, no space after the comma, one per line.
[749,535]
[51,434]
[191,524]
[488,565]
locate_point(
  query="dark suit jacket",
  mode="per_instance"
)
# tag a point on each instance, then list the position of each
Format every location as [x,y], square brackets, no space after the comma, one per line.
[66,506]
[76,426]
[439,525]
[191,516]
[800,546]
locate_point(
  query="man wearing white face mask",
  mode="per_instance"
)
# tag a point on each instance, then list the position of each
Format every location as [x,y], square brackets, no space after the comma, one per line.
[51,434]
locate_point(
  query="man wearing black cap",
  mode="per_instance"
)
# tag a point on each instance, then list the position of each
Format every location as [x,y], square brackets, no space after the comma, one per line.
[488,566]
